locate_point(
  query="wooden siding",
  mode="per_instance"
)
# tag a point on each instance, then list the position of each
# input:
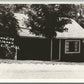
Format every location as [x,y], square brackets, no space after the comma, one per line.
[72,56]
[34,49]
[55,50]
[39,49]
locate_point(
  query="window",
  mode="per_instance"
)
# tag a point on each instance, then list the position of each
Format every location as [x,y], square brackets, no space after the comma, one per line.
[72,46]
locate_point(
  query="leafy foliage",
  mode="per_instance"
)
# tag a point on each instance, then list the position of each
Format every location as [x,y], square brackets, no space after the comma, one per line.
[8,23]
[46,19]
[20,8]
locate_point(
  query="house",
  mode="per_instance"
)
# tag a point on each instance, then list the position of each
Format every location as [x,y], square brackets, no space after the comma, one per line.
[67,46]
[71,43]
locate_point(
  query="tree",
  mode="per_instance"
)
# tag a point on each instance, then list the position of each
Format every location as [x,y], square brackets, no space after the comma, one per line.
[19,8]
[8,29]
[45,20]
[8,23]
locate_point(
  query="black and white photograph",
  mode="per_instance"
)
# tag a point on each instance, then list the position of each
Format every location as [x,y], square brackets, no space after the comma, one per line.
[42,41]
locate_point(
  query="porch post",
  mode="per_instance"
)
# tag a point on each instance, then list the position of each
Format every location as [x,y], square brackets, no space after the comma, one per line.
[16,52]
[51,45]
[59,49]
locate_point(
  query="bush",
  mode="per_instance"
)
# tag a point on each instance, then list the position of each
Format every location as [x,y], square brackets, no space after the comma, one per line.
[7,52]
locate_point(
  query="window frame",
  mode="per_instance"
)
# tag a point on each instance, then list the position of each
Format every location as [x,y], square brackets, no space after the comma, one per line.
[69,52]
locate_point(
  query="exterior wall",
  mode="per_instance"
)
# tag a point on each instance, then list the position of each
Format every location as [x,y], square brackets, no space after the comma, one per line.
[39,49]
[73,56]
[34,48]
[55,50]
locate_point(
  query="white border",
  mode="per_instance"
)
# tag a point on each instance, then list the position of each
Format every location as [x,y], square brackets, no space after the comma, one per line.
[41,2]
[72,52]
[42,81]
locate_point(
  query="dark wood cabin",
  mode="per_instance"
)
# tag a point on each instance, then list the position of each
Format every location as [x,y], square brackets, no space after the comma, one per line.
[62,49]
[67,46]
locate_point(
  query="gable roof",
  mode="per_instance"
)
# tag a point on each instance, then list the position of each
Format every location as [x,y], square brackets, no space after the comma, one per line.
[21,18]
[74,29]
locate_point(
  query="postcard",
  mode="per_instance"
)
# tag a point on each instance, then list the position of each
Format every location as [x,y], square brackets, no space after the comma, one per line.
[42,41]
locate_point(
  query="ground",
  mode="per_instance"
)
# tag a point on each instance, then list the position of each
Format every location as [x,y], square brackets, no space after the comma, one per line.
[31,69]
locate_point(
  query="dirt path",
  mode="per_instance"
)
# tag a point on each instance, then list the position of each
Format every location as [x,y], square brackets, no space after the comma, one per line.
[40,70]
